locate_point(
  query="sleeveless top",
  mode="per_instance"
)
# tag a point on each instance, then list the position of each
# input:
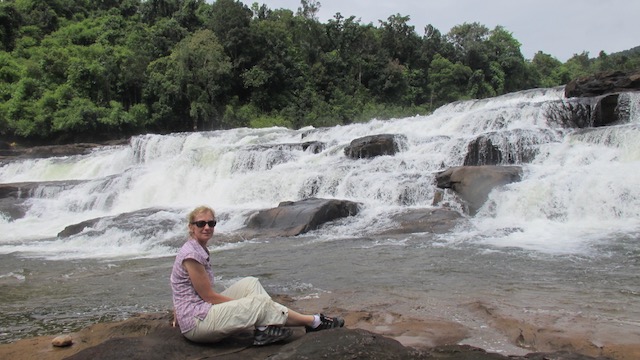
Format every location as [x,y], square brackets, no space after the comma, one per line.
[187,304]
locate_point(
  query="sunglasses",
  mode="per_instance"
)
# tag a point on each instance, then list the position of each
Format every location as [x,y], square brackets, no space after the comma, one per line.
[202,223]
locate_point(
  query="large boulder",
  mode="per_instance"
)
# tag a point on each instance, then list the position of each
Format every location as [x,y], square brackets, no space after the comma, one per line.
[75,229]
[507,147]
[374,145]
[294,218]
[474,183]
[603,83]
[128,222]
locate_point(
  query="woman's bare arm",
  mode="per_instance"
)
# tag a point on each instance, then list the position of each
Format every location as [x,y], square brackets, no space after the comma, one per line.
[201,283]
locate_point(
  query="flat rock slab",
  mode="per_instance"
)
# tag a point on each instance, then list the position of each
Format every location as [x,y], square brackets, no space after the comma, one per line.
[150,336]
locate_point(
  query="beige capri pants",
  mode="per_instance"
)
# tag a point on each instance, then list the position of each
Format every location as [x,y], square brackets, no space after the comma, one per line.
[252,307]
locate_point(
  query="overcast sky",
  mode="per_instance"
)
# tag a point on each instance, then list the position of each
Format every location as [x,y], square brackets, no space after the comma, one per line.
[560,28]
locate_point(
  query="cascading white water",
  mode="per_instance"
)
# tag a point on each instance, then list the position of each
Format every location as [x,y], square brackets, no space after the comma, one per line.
[580,188]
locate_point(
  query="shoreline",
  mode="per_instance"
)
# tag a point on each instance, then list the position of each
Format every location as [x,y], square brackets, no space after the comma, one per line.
[502,334]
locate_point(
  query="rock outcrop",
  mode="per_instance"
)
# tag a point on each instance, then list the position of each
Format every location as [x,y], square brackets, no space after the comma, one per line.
[603,83]
[13,195]
[151,337]
[374,145]
[474,183]
[314,147]
[297,217]
[48,151]
[433,220]
[507,147]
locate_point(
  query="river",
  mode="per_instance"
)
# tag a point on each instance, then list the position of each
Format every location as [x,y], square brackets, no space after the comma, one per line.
[561,247]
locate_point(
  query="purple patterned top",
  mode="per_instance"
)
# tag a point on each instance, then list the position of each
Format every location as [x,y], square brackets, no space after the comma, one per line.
[187,303]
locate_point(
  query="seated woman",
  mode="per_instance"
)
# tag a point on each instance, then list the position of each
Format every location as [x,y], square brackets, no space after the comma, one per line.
[207,316]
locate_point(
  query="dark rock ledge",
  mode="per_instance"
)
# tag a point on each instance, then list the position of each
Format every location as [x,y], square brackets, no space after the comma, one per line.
[9,152]
[150,336]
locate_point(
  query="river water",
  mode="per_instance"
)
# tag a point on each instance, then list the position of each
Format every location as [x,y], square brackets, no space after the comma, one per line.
[563,243]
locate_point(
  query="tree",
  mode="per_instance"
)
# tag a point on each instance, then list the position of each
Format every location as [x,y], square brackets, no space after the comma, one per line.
[277,69]
[189,14]
[470,45]
[507,66]
[309,9]
[230,21]
[579,65]
[193,78]
[448,81]
[154,10]
[39,13]
[10,20]
[547,70]
[400,39]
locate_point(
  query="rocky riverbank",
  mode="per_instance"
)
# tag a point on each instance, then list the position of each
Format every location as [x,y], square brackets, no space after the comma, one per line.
[151,336]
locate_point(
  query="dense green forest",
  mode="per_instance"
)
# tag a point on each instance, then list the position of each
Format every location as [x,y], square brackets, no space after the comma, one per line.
[88,70]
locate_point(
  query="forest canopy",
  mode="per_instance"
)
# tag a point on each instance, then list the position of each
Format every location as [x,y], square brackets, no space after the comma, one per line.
[84,70]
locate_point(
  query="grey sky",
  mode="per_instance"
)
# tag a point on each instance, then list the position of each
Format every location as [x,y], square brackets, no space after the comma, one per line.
[560,28]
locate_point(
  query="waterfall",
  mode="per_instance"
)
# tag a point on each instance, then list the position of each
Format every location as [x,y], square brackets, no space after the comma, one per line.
[579,187]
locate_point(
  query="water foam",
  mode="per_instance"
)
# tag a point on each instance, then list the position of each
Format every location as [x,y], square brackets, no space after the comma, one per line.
[580,186]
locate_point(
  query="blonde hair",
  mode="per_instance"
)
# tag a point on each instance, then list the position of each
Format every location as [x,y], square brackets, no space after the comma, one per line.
[197,211]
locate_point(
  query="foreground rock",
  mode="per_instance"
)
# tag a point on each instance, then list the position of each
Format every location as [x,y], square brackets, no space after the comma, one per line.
[150,336]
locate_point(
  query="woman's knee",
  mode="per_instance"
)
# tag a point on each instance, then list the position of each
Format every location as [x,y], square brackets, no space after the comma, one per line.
[251,281]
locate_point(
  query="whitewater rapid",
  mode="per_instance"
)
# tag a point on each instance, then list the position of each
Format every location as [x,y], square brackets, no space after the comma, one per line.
[581,189]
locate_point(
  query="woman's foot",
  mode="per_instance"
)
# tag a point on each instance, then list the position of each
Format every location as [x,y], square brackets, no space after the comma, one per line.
[325,323]
[270,335]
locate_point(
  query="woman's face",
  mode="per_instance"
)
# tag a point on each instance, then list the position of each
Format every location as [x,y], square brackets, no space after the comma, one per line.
[202,234]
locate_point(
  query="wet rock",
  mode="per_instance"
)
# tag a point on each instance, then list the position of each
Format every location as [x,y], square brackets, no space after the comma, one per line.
[474,183]
[12,209]
[147,337]
[48,151]
[346,344]
[269,155]
[507,147]
[437,221]
[75,229]
[126,221]
[294,218]
[603,83]
[13,195]
[311,146]
[374,145]
[26,190]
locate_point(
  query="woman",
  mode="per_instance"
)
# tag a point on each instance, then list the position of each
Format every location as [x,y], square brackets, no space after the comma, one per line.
[207,316]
